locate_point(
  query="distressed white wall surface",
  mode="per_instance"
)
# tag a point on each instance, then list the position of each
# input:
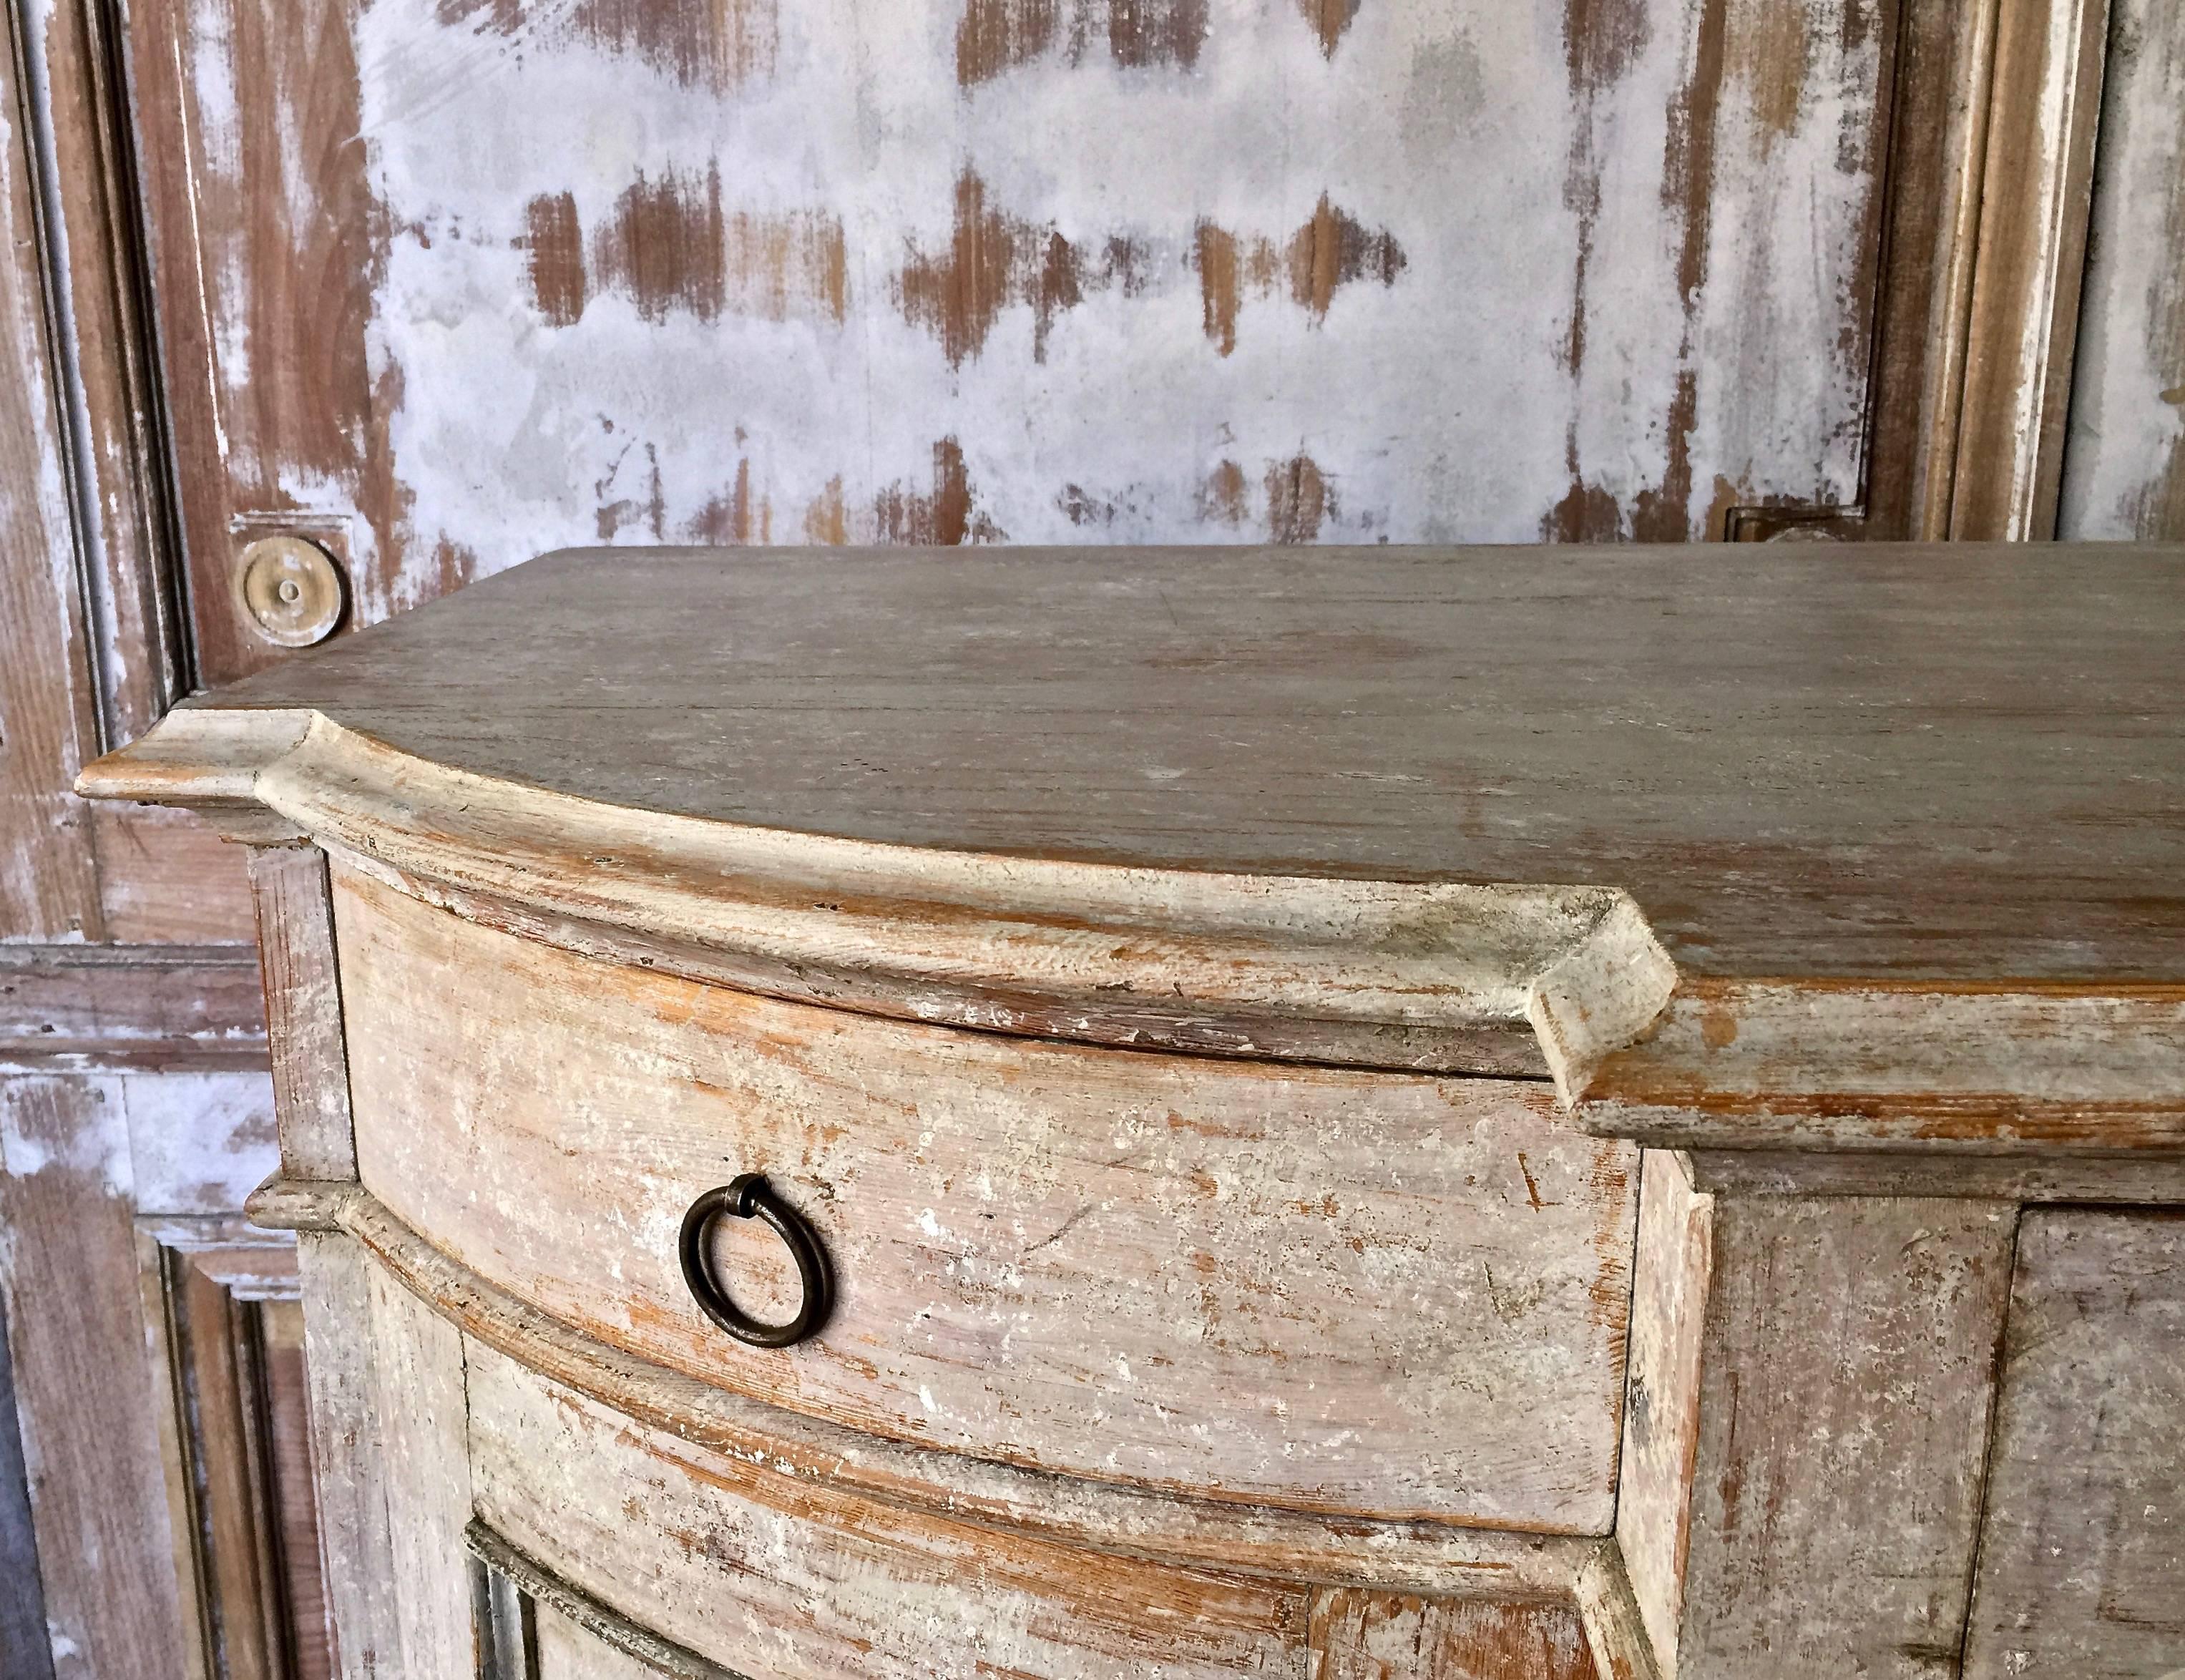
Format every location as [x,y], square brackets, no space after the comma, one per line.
[490,277]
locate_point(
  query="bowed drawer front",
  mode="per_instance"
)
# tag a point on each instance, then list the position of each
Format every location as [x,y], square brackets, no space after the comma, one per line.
[1330,1290]
[746,1573]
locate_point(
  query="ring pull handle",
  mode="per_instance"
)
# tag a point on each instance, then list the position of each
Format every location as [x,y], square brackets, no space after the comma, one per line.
[744,1197]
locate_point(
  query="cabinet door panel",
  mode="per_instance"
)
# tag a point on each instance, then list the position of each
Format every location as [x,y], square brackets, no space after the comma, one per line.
[2082,1549]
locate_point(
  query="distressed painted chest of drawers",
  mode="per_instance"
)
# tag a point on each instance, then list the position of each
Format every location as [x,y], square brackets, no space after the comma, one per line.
[1350,1116]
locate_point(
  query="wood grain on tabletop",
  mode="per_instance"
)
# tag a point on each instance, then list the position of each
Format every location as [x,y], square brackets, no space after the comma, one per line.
[1945,764]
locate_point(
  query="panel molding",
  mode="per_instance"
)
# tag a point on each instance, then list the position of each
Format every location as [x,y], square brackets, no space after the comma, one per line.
[510,1584]
[224,1321]
[78,1007]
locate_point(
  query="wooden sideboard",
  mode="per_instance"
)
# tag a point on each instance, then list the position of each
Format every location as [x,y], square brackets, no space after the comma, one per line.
[1363,1114]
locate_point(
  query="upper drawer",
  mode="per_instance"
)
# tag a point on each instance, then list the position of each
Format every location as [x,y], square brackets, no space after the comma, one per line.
[1322,1289]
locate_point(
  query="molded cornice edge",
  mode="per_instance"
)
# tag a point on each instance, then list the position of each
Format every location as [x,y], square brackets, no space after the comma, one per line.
[1505,979]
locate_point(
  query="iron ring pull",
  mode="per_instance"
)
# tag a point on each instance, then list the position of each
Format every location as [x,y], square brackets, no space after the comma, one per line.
[744,1197]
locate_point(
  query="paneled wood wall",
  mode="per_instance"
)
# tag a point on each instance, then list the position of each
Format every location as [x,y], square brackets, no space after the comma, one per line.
[436,286]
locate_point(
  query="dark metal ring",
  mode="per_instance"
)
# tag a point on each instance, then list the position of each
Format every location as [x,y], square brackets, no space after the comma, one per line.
[741,1198]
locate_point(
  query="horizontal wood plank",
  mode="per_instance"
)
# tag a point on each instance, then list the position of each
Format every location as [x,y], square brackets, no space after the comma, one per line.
[153,1007]
[166,877]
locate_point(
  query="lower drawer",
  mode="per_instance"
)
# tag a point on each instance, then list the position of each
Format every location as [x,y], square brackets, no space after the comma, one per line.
[778,1579]
[1322,1289]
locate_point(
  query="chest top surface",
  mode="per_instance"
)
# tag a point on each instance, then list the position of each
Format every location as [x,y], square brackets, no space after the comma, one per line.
[1679,821]
[1963,764]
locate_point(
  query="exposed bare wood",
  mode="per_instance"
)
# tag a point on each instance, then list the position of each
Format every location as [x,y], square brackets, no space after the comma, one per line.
[166,877]
[102,312]
[1479,1563]
[2082,1547]
[349,1447]
[92,1006]
[2001,1068]
[84,1387]
[2124,461]
[1519,719]
[48,885]
[2036,186]
[304,1009]
[1380,1636]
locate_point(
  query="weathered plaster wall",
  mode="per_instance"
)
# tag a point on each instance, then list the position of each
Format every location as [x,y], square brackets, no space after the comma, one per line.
[480,280]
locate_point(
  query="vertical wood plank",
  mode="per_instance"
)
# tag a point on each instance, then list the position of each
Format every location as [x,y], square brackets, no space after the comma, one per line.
[286,1396]
[2082,1550]
[105,361]
[49,884]
[304,1011]
[24,1652]
[419,1390]
[85,1386]
[2036,193]
[2124,458]
[1662,1392]
[1847,1368]
[349,1454]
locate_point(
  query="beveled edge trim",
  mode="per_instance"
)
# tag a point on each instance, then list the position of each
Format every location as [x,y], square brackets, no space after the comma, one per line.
[1608,1610]
[1414,977]
[1336,1550]
[1450,977]
[2085,1072]
[603,1623]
